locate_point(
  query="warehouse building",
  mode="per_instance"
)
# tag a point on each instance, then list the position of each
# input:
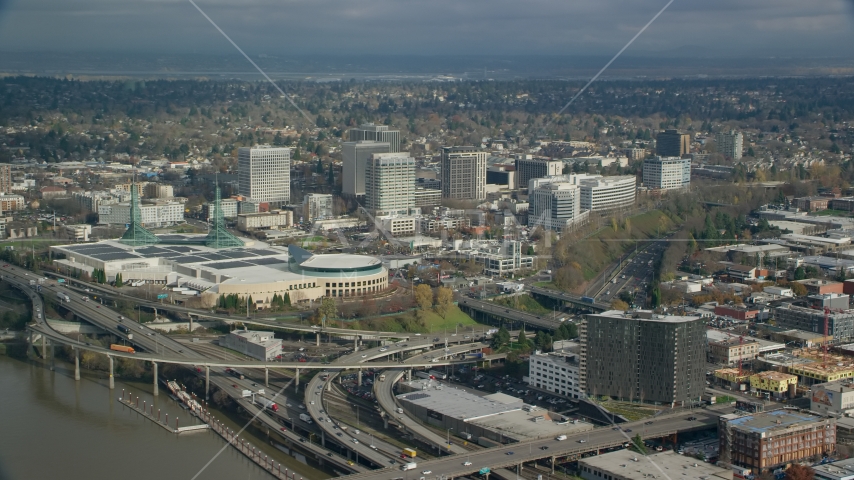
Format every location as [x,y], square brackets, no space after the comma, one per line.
[254,343]
[629,465]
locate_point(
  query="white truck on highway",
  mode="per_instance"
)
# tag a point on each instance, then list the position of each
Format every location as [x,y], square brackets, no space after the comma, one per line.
[305,418]
[246,393]
[63,297]
[560,438]
[409,466]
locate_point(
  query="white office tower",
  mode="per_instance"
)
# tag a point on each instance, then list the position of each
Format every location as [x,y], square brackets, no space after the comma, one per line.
[463,173]
[730,144]
[667,173]
[264,174]
[377,133]
[355,156]
[602,194]
[556,206]
[390,183]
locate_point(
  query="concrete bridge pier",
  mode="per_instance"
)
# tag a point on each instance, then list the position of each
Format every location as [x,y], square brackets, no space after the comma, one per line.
[317,340]
[76,364]
[356,343]
[409,375]
[322,438]
[156,386]
[190,316]
[44,347]
[359,380]
[296,380]
[207,383]
[328,386]
[385,422]
[52,356]
[554,459]
[266,377]
[112,379]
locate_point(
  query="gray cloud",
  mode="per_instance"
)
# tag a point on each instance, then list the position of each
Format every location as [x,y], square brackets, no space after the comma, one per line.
[443,27]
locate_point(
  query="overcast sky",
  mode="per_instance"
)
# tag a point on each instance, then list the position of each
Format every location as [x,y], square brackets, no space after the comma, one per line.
[798,28]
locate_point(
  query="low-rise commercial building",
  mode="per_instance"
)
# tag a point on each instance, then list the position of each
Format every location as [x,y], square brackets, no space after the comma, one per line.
[427,197]
[769,440]
[158,214]
[227,205]
[628,465]
[832,398]
[317,206]
[732,351]
[556,372]
[819,287]
[265,220]
[777,384]
[254,343]
[736,312]
[398,226]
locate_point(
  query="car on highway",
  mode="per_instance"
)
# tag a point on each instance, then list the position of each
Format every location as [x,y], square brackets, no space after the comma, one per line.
[544,447]
[466,463]
[340,434]
[426,472]
[582,441]
[509,453]
[692,418]
[354,440]
[364,355]
[283,429]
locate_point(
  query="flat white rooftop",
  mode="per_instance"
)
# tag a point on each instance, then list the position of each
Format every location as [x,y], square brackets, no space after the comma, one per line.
[633,466]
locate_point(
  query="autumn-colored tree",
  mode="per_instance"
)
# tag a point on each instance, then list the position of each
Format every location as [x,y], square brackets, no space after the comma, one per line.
[424,297]
[444,301]
[800,472]
[618,304]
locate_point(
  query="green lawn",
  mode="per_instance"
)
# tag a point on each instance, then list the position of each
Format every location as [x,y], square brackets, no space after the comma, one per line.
[454,317]
[632,411]
[525,303]
[828,212]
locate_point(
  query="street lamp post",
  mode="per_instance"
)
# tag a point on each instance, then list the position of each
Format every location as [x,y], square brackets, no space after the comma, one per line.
[449,438]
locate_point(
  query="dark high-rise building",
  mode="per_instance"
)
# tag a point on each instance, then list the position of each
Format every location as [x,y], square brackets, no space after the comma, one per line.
[355,157]
[639,355]
[377,133]
[671,143]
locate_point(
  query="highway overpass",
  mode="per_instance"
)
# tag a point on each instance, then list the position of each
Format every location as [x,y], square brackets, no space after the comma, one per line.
[570,298]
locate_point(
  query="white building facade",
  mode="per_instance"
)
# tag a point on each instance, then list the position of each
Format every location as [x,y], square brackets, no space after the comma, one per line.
[730,145]
[264,174]
[667,173]
[156,215]
[608,193]
[317,206]
[390,183]
[555,372]
[355,157]
[555,206]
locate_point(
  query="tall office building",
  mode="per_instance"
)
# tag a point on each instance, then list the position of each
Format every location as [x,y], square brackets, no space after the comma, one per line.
[264,174]
[730,144]
[667,173]
[463,173]
[355,156]
[643,356]
[555,206]
[5,178]
[528,168]
[671,143]
[390,183]
[377,133]
[317,206]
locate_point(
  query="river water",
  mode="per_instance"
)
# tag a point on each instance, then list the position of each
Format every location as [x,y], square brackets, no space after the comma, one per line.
[54,427]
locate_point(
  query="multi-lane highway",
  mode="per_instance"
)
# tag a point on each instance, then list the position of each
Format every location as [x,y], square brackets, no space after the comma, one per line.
[549,448]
